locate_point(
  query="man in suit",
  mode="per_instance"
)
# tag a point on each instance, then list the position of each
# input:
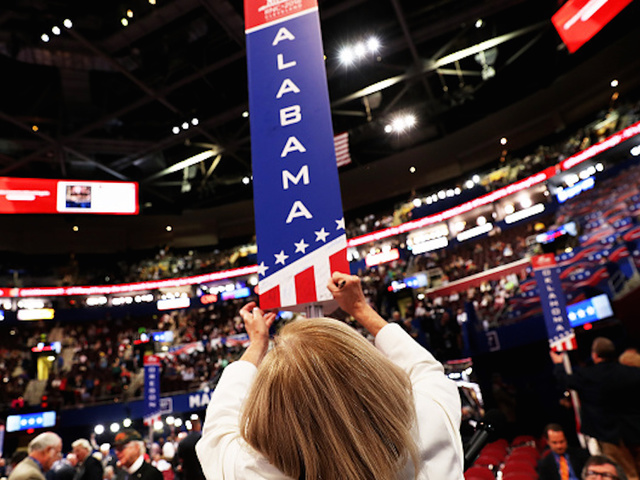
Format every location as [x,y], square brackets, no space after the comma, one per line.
[89,467]
[608,393]
[562,462]
[130,452]
[43,451]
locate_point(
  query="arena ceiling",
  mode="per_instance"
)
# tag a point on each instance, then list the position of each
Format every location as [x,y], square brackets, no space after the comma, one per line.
[100,100]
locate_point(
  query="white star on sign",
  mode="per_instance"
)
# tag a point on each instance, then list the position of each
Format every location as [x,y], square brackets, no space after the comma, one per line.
[340,224]
[301,246]
[262,269]
[322,235]
[281,257]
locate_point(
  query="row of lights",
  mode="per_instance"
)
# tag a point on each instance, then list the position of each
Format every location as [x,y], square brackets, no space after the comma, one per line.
[185,126]
[352,53]
[76,228]
[571,179]
[56,31]
[401,123]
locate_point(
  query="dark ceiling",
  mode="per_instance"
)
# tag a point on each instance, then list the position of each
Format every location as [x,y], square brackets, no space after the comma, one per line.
[106,97]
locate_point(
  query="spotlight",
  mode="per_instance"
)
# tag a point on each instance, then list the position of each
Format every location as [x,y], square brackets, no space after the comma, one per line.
[114,427]
[55,30]
[124,21]
[67,23]
[185,125]
[469,184]
[99,429]
[169,228]
[476,179]
[245,114]
[388,128]
[417,202]
[503,141]
[479,23]
[509,209]
[126,423]
[360,50]
[614,83]
[412,169]
[347,56]
[44,37]
[130,13]
[246,180]
[176,130]
[373,44]
[194,121]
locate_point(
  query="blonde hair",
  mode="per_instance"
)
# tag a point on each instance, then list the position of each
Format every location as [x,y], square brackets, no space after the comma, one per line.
[327,405]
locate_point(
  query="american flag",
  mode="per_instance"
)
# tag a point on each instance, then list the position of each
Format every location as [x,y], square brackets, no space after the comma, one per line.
[343,156]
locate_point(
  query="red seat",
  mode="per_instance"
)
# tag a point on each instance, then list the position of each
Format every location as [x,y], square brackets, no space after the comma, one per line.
[520,476]
[476,472]
[523,440]
[525,452]
[518,466]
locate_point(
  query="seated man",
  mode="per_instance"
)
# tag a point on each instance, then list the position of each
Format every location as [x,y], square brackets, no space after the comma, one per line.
[562,462]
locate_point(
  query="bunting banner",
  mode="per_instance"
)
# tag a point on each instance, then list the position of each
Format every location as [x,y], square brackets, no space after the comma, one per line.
[561,335]
[300,229]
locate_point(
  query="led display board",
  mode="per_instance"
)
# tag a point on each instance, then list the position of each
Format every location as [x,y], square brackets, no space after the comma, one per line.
[40,195]
[17,423]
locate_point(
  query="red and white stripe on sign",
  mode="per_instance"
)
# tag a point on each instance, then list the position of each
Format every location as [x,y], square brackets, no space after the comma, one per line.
[567,343]
[341,142]
[149,421]
[305,281]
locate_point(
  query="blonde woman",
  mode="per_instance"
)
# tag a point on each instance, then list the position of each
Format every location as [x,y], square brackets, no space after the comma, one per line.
[325,404]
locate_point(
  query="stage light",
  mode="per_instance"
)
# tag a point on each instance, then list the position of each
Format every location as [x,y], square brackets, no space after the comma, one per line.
[599,167]
[56,30]
[130,13]
[503,141]
[99,429]
[44,37]
[245,180]
[170,420]
[245,114]
[67,23]
[479,23]
[481,220]
[388,128]
[442,194]
[347,56]
[152,2]
[75,228]
[194,121]
[457,191]
[35,128]
[469,184]
[114,427]
[412,169]
[417,202]
[177,423]
[169,228]
[476,179]
[360,50]
[124,22]
[509,209]
[126,423]
[450,192]
[185,125]
[176,130]
[373,44]
[614,83]
[158,425]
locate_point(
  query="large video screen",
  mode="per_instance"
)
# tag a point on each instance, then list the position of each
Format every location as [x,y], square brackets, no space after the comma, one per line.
[39,195]
[17,423]
[590,310]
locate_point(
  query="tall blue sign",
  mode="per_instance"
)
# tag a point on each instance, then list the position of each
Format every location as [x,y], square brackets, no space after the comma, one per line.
[151,387]
[552,299]
[299,222]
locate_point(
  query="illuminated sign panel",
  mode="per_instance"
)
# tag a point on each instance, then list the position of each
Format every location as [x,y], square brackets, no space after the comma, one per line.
[38,195]
[578,21]
[17,423]
[383,257]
